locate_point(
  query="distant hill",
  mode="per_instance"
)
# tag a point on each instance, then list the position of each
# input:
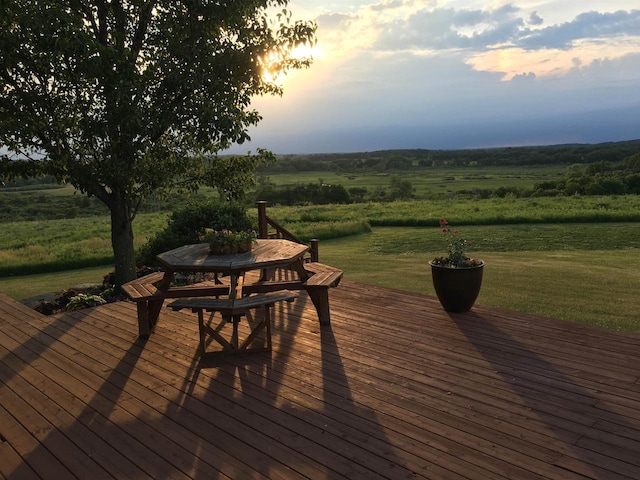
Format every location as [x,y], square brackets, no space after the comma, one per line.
[565,154]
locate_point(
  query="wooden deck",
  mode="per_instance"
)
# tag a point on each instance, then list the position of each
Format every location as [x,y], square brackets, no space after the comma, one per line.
[395,388]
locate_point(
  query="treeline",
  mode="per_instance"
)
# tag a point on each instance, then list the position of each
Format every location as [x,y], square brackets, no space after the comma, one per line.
[323,194]
[387,160]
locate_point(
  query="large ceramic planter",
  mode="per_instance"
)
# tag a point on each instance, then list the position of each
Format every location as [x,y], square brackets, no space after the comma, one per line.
[457,288]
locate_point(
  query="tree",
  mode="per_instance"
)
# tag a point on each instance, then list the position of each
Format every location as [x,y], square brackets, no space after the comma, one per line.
[400,188]
[125,98]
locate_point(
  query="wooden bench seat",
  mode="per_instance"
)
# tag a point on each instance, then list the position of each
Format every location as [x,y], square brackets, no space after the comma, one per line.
[317,286]
[322,275]
[231,311]
[143,288]
[145,293]
[321,278]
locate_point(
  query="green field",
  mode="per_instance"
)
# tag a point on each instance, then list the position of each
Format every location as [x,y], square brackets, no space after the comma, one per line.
[432,182]
[52,201]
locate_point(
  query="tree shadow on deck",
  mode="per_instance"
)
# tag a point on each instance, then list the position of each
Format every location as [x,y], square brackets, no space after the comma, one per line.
[566,404]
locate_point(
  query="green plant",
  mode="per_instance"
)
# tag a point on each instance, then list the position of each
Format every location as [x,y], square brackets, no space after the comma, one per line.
[457,247]
[229,241]
[228,237]
[82,300]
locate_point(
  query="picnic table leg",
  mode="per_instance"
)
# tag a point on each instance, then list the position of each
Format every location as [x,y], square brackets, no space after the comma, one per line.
[144,329]
[148,313]
[320,299]
[149,310]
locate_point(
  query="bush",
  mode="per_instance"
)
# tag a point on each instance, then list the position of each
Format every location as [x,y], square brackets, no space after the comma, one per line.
[82,301]
[185,226]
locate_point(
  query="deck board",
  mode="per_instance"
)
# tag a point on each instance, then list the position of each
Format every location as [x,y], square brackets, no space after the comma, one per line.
[394,388]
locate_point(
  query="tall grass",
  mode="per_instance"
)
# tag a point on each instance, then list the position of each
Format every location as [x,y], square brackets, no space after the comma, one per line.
[465,211]
[57,245]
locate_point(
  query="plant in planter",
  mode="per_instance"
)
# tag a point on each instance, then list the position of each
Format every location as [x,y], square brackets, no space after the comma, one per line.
[457,278]
[223,242]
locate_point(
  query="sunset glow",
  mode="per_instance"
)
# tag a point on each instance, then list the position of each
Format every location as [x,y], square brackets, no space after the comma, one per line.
[458,73]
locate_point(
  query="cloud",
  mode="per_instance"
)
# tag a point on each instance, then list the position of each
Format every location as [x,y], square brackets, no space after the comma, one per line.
[412,73]
[333,21]
[535,19]
[590,25]
[524,77]
[448,28]
[387,5]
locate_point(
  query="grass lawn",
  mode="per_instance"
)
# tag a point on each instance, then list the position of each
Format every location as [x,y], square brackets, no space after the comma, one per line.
[595,287]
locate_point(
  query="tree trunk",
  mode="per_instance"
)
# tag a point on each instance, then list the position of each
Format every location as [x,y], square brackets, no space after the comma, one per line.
[122,242]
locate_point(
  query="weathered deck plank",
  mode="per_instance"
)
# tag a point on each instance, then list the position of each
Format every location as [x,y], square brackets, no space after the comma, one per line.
[394,388]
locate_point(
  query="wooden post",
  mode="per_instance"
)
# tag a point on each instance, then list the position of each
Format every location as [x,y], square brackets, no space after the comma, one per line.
[314,249]
[263,226]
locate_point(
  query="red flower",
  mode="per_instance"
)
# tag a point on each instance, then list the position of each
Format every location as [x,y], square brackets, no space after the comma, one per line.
[443,222]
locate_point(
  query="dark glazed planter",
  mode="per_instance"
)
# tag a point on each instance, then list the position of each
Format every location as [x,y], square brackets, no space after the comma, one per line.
[457,288]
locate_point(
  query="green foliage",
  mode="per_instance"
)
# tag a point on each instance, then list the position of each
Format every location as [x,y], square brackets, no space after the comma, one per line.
[400,189]
[188,225]
[457,247]
[461,211]
[316,193]
[600,178]
[84,300]
[58,245]
[306,231]
[233,175]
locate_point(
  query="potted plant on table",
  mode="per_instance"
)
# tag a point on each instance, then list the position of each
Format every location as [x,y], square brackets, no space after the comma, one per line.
[224,242]
[457,278]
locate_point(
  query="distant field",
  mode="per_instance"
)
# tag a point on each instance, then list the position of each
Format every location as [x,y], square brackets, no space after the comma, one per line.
[53,201]
[432,182]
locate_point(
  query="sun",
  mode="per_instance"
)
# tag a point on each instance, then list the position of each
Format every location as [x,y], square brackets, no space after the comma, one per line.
[273,63]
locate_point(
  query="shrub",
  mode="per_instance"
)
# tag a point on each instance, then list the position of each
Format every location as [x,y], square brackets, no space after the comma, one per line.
[82,300]
[187,225]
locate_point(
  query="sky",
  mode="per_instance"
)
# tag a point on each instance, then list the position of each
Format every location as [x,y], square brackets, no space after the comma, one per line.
[437,74]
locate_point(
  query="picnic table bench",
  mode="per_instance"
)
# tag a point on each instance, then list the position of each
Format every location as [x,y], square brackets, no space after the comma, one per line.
[231,311]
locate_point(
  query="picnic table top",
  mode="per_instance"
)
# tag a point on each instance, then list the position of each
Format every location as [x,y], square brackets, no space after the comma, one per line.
[265,253]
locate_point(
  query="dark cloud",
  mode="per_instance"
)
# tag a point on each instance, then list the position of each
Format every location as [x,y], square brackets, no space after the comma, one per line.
[447,28]
[524,77]
[535,19]
[441,28]
[593,25]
